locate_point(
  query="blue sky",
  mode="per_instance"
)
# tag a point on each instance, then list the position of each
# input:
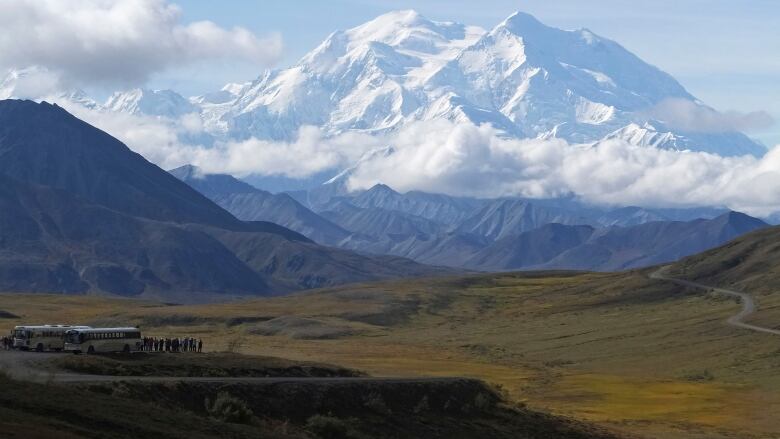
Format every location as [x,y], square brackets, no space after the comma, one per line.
[724,52]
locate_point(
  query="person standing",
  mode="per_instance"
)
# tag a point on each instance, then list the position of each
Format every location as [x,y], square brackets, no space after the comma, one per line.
[200,344]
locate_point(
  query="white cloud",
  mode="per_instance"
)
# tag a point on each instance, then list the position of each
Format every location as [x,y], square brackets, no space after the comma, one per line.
[309,154]
[687,115]
[29,83]
[122,41]
[168,143]
[465,159]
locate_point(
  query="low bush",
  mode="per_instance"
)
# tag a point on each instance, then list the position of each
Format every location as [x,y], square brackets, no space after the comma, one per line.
[376,402]
[484,402]
[227,408]
[327,427]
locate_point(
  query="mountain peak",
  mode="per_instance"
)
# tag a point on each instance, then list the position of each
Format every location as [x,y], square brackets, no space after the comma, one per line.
[407,29]
[522,20]
[166,103]
[404,17]
[41,143]
[187,172]
[20,109]
[526,25]
[740,219]
[381,188]
[214,185]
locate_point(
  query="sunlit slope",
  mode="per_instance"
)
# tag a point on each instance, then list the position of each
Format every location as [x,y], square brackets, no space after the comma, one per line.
[641,355]
[750,262]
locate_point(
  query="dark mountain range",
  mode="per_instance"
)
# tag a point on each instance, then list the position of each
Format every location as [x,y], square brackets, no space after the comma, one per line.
[531,248]
[81,213]
[381,223]
[500,234]
[43,144]
[439,208]
[618,248]
[560,246]
[53,241]
[248,203]
[511,217]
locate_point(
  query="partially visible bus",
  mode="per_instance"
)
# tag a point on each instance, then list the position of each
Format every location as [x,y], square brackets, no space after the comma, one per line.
[41,337]
[94,340]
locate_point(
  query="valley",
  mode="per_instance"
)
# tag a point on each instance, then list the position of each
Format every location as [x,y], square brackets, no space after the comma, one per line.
[638,355]
[386,225]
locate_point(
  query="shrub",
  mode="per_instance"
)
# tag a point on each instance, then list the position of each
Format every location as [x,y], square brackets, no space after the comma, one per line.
[483,402]
[4,374]
[227,408]
[327,427]
[375,402]
[423,406]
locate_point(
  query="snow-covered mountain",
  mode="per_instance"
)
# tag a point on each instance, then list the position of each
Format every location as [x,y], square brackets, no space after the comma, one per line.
[38,83]
[524,78]
[165,103]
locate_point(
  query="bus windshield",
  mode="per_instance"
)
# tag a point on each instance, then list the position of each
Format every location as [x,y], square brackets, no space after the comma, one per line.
[21,333]
[74,337]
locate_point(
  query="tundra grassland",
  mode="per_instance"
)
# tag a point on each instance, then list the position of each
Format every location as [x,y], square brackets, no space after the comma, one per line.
[641,356]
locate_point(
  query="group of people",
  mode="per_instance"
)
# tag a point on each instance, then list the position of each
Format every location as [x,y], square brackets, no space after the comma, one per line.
[8,343]
[165,344]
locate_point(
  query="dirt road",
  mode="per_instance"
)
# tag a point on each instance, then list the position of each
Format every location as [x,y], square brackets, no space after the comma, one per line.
[748,303]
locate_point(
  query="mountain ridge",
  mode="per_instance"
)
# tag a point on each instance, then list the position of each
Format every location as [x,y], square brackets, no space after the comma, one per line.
[506,233]
[84,214]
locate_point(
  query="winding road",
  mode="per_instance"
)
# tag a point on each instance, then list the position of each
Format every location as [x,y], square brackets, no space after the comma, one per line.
[748,304]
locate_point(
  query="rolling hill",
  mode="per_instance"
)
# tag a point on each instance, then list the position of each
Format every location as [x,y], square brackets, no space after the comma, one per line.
[84,214]
[750,262]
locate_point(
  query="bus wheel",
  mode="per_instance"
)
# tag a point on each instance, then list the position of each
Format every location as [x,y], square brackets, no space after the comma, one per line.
[126,349]
[91,350]
[39,348]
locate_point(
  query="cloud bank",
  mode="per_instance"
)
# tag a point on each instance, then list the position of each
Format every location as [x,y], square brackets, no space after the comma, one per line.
[464,159]
[686,115]
[118,41]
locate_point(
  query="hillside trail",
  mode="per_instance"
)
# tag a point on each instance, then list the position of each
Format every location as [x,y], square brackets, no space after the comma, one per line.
[749,306]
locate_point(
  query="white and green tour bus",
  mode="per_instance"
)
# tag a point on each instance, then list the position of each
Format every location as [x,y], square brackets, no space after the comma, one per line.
[94,340]
[42,337]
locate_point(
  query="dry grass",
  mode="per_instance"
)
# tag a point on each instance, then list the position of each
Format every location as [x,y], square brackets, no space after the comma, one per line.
[612,348]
